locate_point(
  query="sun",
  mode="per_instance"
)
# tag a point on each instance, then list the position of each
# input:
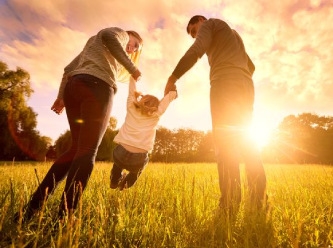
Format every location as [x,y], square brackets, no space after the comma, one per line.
[261,132]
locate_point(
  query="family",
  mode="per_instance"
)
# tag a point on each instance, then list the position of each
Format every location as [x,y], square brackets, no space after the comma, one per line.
[87,90]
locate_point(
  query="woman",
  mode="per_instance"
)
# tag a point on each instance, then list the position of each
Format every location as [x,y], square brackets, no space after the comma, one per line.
[86,91]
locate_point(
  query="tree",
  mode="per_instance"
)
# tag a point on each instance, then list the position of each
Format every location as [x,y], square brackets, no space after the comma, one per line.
[164,148]
[63,143]
[107,145]
[206,150]
[51,153]
[187,142]
[306,138]
[19,139]
[182,145]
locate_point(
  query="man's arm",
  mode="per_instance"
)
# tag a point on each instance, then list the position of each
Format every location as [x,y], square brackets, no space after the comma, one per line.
[192,55]
[171,85]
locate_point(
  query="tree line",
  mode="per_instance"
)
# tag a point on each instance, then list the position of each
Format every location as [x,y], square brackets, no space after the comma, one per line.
[304,138]
[179,145]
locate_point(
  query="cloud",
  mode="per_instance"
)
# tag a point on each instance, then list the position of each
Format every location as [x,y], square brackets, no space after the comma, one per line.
[289,42]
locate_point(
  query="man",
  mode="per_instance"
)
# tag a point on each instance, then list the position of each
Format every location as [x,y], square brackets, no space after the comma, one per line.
[231,104]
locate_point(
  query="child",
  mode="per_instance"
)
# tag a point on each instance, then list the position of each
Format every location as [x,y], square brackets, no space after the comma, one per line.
[136,137]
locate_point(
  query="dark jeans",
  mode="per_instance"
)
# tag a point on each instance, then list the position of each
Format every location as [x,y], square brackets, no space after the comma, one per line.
[132,162]
[231,109]
[88,102]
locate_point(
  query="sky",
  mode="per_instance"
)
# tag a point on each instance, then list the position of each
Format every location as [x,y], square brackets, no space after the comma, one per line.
[289,41]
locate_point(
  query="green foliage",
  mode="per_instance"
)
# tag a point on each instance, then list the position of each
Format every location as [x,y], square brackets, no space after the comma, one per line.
[306,138]
[14,85]
[19,138]
[63,143]
[173,205]
[107,145]
[182,145]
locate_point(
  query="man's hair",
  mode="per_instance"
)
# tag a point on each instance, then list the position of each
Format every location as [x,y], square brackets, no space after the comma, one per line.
[147,104]
[194,20]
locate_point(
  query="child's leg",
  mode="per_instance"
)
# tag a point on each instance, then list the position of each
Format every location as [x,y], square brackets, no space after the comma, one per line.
[115,176]
[118,156]
[129,180]
[134,163]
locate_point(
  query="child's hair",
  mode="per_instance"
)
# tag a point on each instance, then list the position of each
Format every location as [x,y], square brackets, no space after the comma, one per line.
[147,104]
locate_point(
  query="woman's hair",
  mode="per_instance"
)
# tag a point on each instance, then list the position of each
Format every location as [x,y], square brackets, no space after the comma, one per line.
[194,20]
[136,55]
[124,75]
[147,104]
[136,35]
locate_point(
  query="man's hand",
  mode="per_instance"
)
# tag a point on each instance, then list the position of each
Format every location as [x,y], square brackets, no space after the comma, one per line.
[58,106]
[171,85]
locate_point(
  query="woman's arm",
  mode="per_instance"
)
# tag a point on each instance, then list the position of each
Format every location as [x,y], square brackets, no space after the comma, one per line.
[112,38]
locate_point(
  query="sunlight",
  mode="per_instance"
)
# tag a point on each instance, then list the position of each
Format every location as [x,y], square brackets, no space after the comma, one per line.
[261,131]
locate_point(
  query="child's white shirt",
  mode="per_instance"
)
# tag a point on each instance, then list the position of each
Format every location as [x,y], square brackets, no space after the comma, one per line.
[139,130]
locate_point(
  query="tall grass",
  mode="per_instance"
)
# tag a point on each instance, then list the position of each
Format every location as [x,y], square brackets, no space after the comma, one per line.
[172,205]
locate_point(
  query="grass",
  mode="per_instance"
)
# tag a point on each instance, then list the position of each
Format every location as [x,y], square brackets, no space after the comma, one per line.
[172,205]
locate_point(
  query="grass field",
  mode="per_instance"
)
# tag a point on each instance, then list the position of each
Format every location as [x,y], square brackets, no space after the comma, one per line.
[172,205]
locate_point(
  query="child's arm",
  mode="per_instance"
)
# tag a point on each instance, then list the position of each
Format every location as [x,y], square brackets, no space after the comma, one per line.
[132,86]
[131,90]
[167,99]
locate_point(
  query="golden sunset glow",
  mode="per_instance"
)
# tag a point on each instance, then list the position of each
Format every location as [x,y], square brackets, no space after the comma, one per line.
[260,132]
[290,48]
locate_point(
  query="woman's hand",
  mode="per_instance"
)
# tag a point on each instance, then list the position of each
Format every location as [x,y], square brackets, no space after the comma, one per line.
[58,106]
[136,75]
